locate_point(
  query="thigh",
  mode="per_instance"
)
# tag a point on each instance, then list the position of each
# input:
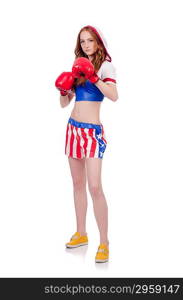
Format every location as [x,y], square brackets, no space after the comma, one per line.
[93,171]
[78,170]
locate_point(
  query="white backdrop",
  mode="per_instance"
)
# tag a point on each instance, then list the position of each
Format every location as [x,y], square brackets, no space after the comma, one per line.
[142,171]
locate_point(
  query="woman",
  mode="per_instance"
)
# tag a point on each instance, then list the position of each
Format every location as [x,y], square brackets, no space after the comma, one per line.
[92,78]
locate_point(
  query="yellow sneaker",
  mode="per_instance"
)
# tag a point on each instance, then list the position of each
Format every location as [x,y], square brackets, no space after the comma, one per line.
[102,253]
[77,240]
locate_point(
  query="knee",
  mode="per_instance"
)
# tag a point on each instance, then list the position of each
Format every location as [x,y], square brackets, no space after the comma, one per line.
[95,190]
[79,184]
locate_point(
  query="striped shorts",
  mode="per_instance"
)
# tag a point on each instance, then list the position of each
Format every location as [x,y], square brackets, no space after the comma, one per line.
[84,140]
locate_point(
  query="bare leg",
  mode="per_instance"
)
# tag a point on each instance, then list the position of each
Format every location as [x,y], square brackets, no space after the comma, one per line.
[93,167]
[78,173]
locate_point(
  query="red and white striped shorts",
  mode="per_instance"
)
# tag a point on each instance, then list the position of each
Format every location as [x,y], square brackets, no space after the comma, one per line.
[84,140]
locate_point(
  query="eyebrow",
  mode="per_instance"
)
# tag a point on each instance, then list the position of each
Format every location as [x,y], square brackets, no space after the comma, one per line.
[86,39]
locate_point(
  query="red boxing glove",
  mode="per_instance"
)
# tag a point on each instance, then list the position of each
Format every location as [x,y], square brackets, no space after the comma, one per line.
[64,82]
[83,67]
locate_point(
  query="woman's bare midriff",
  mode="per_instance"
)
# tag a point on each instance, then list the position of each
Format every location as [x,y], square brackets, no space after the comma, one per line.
[87,111]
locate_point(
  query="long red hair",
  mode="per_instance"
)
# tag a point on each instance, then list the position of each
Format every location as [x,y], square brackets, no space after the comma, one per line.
[98,57]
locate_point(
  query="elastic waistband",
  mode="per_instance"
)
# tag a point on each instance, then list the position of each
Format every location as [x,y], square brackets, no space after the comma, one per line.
[84,125]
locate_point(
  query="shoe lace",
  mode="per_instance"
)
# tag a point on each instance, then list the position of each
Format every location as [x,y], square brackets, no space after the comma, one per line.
[74,237]
[104,250]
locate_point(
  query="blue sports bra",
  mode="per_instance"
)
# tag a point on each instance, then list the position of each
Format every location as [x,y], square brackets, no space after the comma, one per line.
[88,92]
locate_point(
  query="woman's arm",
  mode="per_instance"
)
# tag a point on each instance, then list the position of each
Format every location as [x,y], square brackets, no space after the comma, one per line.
[65,100]
[109,90]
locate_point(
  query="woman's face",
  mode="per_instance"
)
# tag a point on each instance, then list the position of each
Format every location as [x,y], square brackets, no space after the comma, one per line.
[88,43]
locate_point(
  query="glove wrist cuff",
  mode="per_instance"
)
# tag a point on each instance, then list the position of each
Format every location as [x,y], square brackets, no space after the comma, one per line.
[63,92]
[94,78]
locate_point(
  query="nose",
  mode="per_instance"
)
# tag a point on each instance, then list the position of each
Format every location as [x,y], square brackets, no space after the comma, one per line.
[86,44]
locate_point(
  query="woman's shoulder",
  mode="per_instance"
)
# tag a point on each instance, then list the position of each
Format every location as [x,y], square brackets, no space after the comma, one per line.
[107,70]
[107,63]
[106,66]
